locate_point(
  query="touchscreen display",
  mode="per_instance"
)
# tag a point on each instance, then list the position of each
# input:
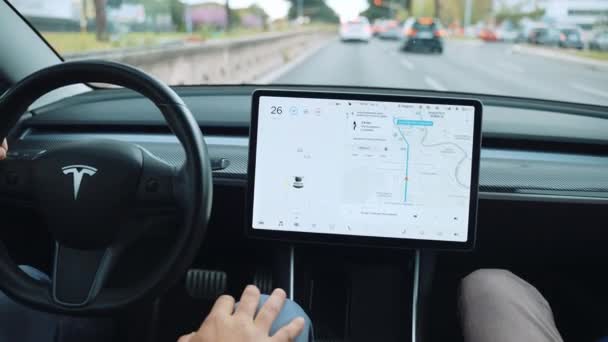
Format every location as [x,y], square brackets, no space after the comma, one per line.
[363,168]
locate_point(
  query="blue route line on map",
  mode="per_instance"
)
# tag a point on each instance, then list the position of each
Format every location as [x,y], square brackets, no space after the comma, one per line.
[407,161]
[414,122]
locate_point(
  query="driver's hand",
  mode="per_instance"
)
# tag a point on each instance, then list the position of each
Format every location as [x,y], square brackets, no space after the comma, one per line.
[3,149]
[224,324]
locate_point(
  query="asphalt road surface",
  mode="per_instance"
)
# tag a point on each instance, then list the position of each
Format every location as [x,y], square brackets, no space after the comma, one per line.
[467,66]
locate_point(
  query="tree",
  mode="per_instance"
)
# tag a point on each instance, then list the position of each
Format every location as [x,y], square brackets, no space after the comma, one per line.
[177,14]
[437,8]
[101,20]
[228,16]
[376,11]
[317,10]
[392,9]
[423,8]
[450,11]
[515,14]
[481,10]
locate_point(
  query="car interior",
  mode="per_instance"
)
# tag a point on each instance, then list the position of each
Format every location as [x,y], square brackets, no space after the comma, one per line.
[167,242]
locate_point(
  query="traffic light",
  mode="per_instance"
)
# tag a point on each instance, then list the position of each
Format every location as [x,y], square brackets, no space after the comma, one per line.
[377,2]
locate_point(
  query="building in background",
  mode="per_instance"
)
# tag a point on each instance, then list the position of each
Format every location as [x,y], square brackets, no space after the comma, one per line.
[582,13]
[206,14]
[127,14]
[51,15]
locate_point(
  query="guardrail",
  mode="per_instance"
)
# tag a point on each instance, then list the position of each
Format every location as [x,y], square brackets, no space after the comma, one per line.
[236,60]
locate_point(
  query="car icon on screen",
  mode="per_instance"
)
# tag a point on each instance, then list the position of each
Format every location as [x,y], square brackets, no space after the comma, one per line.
[298,182]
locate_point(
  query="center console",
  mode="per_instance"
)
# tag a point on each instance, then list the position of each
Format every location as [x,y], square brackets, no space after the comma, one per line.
[355,193]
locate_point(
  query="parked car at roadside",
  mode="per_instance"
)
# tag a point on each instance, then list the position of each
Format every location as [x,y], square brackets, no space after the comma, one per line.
[487,35]
[570,38]
[544,36]
[511,35]
[599,42]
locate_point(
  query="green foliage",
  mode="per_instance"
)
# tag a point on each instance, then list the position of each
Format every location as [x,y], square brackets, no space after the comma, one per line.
[452,10]
[114,3]
[423,8]
[177,15]
[515,15]
[392,9]
[375,12]
[317,10]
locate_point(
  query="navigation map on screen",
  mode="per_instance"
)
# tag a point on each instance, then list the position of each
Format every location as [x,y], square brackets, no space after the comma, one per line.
[364,168]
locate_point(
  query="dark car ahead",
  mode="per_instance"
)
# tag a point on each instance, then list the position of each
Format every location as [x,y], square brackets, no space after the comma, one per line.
[544,36]
[424,34]
[570,39]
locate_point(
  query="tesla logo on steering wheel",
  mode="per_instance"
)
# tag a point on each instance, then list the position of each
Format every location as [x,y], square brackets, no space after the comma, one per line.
[77,172]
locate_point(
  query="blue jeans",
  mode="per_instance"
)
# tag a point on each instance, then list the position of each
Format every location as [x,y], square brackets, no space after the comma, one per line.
[20,323]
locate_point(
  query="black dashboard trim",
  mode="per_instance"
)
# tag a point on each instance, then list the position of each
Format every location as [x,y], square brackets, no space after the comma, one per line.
[100,94]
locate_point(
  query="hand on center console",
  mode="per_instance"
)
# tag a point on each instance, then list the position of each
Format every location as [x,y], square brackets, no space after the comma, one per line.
[225,323]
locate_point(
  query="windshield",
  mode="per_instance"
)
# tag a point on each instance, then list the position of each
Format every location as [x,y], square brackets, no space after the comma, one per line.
[549,49]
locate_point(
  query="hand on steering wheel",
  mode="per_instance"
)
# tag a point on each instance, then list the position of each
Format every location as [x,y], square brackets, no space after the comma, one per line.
[3,149]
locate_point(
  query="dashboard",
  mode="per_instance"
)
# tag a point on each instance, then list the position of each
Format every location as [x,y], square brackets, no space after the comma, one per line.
[504,173]
[527,154]
[530,181]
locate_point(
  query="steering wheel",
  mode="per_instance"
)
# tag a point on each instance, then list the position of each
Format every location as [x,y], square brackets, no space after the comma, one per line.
[91,193]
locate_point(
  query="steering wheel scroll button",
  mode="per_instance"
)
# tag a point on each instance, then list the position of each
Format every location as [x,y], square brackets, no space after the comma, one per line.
[156,185]
[219,164]
[24,154]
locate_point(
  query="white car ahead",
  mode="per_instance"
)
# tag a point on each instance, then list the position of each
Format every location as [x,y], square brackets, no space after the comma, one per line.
[356,30]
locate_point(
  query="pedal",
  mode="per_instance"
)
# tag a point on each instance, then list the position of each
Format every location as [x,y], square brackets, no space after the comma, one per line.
[205,284]
[263,280]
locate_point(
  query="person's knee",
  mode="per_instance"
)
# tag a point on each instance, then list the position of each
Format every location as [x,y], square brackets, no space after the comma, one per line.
[488,282]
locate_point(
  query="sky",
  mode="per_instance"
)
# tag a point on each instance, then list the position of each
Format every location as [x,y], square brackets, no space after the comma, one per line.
[346,9]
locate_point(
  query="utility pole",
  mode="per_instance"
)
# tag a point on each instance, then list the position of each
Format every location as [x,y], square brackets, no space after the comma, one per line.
[300,9]
[407,4]
[83,16]
[468,8]
[437,8]
[228,19]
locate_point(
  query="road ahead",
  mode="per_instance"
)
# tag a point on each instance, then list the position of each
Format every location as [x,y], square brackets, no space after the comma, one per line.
[469,66]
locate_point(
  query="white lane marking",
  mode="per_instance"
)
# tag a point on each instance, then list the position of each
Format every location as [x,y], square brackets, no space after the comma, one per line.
[431,82]
[510,67]
[407,64]
[589,90]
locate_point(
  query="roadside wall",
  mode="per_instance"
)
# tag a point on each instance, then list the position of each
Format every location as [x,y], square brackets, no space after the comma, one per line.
[238,60]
